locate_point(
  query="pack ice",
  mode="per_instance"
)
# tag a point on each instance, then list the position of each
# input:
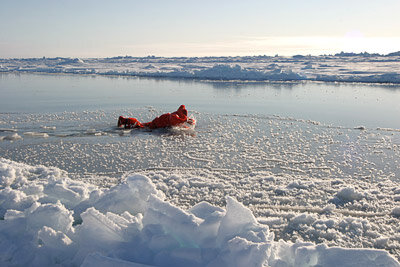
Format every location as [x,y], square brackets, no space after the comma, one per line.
[341,67]
[48,219]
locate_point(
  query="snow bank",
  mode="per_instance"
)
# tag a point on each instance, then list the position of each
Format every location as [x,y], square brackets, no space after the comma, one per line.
[48,219]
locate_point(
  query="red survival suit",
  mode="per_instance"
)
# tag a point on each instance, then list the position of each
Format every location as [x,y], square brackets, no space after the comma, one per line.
[165,120]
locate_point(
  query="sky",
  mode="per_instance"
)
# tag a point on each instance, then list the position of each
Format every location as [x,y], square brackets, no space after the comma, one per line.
[104,28]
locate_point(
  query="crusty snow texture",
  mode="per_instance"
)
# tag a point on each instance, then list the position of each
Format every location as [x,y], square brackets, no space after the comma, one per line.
[48,219]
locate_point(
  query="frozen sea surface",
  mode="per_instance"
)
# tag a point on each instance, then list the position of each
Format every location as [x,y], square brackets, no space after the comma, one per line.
[49,219]
[307,173]
[343,67]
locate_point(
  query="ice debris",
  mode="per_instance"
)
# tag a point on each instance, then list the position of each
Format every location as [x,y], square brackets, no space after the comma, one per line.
[48,219]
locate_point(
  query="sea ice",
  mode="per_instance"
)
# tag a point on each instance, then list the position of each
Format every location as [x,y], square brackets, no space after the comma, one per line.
[344,67]
[131,224]
[11,137]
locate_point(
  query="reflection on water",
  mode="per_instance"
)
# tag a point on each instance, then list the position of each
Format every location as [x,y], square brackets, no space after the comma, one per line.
[350,105]
[223,84]
[256,85]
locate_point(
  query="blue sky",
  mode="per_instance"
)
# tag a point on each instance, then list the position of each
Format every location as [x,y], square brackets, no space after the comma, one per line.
[89,28]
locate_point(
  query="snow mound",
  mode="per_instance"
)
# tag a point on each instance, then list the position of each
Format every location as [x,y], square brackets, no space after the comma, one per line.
[348,194]
[67,61]
[48,219]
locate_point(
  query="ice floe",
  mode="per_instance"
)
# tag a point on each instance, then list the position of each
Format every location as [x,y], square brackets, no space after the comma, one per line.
[11,137]
[36,134]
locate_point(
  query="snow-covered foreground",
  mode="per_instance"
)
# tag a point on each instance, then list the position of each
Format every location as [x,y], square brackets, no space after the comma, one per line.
[305,186]
[49,219]
[344,67]
[72,184]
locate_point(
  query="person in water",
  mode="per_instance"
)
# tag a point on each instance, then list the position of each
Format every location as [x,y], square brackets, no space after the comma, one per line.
[166,120]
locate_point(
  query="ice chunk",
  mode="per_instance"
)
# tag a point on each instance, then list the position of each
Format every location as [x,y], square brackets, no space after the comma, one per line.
[208,228]
[204,210]
[55,216]
[321,255]
[52,238]
[240,221]
[98,260]
[14,199]
[7,174]
[54,247]
[12,137]
[241,252]
[16,174]
[98,227]
[348,194]
[69,192]
[131,195]
[36,134]
[181,224]
[131,224]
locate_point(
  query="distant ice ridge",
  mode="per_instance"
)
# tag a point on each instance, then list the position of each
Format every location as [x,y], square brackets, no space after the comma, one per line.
[342,67]
[48,219]
[227,72]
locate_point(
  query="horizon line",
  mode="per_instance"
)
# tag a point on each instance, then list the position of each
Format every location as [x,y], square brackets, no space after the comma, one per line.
[213,56]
